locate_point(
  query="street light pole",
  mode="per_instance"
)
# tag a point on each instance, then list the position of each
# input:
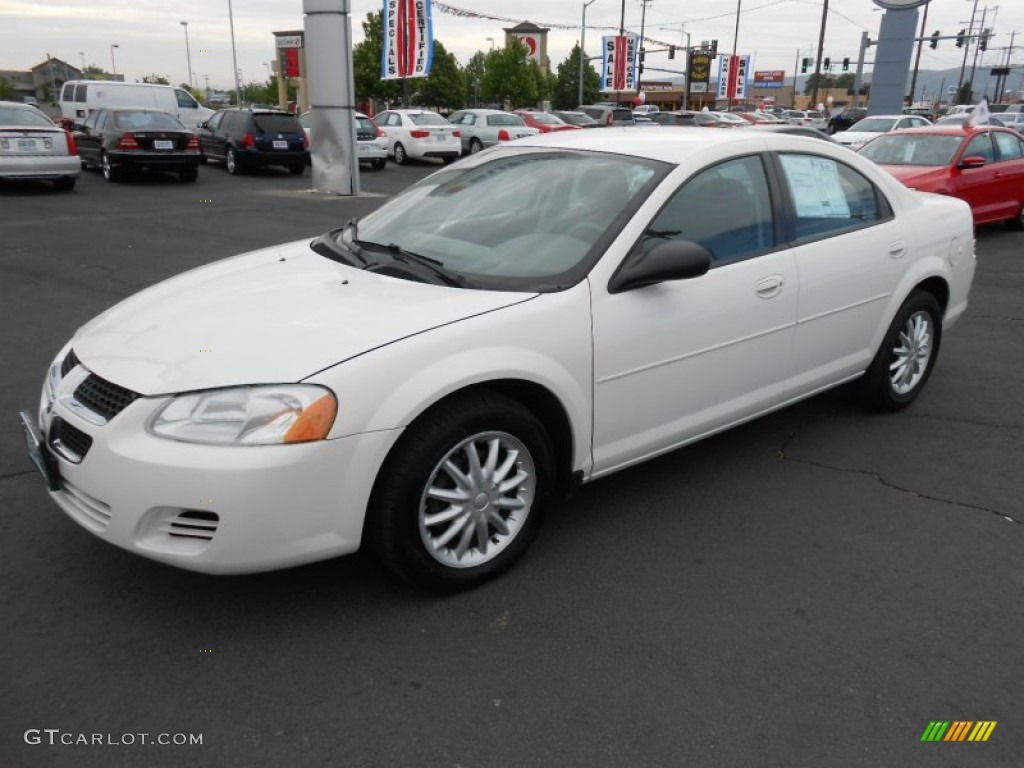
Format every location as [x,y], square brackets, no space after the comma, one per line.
[735,41]
[113,66]
[188,53]
[82,54]
[583,43]
[917,60]
[234,57]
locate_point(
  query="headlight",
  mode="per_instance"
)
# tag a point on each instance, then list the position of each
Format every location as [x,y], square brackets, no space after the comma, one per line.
[53,375]
[258,415]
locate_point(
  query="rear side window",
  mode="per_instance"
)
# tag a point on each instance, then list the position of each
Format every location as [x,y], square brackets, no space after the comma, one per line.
[1010,147]
[829,197]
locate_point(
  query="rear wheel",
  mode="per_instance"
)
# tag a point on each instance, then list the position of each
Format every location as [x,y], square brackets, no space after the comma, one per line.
[475,146]
[64,183]
[110,173]
[459,498]
[231,161]
[400,157]
[906,357]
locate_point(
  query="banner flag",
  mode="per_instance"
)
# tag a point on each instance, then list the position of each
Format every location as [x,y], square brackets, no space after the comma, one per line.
[620,60]
[733,82]
[408,39]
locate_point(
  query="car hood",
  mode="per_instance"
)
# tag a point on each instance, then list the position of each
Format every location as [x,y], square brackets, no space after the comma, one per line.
[856,137]
[918,176]
[276,315]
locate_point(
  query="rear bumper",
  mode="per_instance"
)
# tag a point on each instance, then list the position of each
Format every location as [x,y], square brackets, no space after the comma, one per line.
[40,167]
[280,157]
[156,159]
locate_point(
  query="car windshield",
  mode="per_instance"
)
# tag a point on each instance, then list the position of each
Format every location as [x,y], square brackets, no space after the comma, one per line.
[873,125]
[514,219]
[146,121]
[427,118]
[912,149]
[23,116]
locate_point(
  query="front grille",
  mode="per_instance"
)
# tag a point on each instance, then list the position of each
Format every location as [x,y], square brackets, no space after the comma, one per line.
[192,524]
[103,397]
[69,441]
[68,364]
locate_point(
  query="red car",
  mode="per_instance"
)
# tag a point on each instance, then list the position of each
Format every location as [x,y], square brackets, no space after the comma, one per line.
[983,166]
[544,121]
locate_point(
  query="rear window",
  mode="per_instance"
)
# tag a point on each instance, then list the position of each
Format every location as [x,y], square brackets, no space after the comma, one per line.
[505,120]
[153,121]
[366,124]
[276,124]
[23,116]
[427,118]
[622,114]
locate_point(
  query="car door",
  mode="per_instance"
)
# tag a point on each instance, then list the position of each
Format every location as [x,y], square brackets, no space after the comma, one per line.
[388,122]
[88,138]
[1010,171]
[979,186]
[208,140]
[681,359]
[848,249]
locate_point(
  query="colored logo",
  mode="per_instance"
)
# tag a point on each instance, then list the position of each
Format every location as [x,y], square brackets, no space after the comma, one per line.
[958,730]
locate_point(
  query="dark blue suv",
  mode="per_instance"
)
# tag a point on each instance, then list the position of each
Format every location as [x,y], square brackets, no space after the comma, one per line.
[244,139]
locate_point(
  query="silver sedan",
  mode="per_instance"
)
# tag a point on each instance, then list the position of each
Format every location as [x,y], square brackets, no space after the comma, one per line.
[482,128]
[32,147]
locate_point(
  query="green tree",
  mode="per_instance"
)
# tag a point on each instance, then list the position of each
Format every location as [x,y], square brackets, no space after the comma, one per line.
[508,77]
[825,80]
[6,89]
[567,89]
[445,87]
[473,74]
[158,79]
[963,94]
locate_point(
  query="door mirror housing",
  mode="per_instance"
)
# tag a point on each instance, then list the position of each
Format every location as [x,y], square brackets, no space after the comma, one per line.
[671,260]
[972,161]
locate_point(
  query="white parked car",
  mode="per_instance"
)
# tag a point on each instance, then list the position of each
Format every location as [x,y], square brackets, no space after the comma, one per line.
[863,131]
[426,380]
[33,147]
[419,134]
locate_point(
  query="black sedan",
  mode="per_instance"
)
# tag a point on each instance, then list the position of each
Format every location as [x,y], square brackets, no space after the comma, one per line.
[122,139]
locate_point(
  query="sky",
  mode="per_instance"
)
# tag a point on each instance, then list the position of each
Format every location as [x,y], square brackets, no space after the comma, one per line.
[151,38]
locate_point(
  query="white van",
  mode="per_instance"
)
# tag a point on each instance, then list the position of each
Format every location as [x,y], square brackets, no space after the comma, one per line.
[80,97]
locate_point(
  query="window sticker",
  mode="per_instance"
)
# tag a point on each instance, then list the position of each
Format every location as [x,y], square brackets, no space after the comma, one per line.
[814,184]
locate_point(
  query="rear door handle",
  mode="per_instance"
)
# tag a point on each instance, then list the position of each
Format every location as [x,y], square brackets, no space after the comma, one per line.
[896,249]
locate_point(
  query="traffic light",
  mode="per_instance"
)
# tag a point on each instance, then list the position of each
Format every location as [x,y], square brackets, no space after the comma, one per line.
[804,65]
[828,63]
[983,44]
[960,38]
[846,64]
[935,40]
[671,51]
[643,51]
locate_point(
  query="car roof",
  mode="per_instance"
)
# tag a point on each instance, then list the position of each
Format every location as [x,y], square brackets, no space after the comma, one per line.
[953,130]
[487,111]
[667,146]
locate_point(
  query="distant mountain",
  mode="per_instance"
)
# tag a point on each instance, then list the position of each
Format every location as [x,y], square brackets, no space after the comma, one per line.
[933,84]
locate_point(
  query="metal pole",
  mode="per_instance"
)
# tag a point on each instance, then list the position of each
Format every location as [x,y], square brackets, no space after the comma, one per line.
[917,61]
[817,63]
[858,78]
[234,57]
[113,65]
[967,49]
[188,53]
[977,47]
[735,41]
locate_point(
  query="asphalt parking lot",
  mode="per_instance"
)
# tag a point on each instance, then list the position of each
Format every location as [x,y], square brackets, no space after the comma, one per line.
[811,589]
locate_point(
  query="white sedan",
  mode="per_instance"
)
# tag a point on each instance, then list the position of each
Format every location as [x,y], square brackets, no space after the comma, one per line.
[425,381]
[33,147]
[863,131]
[419,134]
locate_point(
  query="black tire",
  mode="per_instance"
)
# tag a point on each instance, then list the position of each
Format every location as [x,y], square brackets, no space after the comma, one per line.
[110,172]
[448,159]
[397,526]
[916,329]
[296,169]
[378,164]
[232,161]
[188,174]
[64,183]
[400,157]
[475,146]
[202,158]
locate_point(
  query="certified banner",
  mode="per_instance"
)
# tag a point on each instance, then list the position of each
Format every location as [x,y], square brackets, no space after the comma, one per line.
[408,39]
[620,59]
[733,82]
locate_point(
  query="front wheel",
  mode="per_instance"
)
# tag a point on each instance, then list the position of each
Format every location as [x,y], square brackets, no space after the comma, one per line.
[907,356]
[458,501]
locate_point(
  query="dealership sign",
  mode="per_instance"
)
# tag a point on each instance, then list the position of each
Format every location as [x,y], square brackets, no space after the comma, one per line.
[769,78]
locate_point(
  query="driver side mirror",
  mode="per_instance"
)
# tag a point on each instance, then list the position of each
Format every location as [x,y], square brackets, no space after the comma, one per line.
[972,161]
[671,260]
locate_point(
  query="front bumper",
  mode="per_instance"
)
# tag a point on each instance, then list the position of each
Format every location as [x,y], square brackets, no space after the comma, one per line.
[212,509]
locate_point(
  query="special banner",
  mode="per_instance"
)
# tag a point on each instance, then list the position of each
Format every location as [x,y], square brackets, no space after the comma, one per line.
[619,63]
[408,39]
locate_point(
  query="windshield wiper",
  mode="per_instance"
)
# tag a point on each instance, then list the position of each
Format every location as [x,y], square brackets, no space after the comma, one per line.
[331,246]
[435,267]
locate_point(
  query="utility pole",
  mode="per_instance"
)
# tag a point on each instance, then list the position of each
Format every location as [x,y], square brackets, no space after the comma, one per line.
[821,47]
[735,42]
[977,47]
[967,48]
[917,60]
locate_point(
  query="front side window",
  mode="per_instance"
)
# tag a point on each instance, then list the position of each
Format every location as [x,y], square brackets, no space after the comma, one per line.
[828,197]
[185,101]
[981,146]
[1010,147]
[726,209]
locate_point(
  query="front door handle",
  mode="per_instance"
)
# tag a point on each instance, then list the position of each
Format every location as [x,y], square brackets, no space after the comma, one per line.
[769,287]
[897,249]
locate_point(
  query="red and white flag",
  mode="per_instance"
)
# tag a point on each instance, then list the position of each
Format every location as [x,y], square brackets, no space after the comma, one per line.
[408,39]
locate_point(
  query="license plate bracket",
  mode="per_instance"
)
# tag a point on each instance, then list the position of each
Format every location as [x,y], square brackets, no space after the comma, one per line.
[39,453]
